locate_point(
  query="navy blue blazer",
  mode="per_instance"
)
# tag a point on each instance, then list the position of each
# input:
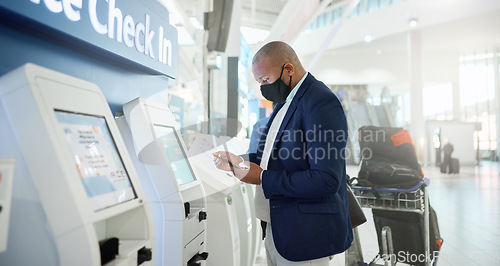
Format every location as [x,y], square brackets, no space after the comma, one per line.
[306,177]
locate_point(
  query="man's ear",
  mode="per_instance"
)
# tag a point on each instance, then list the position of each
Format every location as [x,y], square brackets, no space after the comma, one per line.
[289,69]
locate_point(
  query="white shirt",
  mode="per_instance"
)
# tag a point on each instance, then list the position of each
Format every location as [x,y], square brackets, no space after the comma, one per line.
[262,211]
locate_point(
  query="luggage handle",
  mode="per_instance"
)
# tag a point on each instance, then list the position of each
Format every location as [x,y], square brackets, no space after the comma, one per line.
[387,246]
[424,182]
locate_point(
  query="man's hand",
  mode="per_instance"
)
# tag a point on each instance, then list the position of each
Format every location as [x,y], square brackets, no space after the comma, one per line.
[245,171]
[221,159]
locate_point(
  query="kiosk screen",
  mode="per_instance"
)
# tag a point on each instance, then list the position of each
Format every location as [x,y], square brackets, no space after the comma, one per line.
[175,154]
[96,158]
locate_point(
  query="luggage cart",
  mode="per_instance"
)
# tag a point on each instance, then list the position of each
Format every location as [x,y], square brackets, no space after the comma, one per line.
[415,199]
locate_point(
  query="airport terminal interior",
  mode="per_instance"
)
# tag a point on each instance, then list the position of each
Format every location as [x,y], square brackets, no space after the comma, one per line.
[111,110]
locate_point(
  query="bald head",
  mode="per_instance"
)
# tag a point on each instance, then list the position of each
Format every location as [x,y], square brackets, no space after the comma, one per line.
[274,60]
[278,53]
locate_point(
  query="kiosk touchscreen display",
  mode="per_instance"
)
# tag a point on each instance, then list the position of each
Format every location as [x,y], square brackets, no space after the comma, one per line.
[96,158]
[175,154]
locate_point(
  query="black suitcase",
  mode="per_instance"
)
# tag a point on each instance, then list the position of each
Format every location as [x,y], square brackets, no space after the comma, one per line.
[388,158]
[392,143]
[407,230]
[455,166]
[382,172]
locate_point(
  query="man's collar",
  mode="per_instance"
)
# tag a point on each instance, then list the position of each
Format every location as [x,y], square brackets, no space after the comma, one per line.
[296,88]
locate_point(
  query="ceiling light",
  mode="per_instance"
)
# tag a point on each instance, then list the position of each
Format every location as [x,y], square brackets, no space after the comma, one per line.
[196,23]
[413,22]
[253,35]
[368,38]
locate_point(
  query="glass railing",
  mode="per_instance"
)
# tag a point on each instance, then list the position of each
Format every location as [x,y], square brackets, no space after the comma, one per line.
[332,15]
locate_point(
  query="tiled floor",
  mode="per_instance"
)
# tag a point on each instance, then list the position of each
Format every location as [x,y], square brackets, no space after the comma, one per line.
[468,210]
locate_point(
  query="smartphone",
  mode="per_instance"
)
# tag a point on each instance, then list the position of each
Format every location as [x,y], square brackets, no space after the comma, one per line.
[231,163]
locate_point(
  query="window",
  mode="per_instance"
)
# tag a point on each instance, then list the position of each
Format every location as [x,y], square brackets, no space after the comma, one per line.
[438,102]
[477,97]
[373,5]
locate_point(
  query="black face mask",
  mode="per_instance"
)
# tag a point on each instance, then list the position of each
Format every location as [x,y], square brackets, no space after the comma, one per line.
[277,91]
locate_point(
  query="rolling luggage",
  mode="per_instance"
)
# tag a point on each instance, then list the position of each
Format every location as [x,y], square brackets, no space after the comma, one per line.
[454,166]
[391,182]
[407,230]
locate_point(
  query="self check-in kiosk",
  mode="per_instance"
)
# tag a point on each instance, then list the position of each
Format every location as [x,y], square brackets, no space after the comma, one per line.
[174,190]
[245,226]
[202,143]
[94,210]
[249,224]
[223,241]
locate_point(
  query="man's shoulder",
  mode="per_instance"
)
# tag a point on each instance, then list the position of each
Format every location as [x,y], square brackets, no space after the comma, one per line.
[319,92]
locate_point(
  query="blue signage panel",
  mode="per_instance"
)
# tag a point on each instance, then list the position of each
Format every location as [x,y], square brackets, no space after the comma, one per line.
[137,30]
[176,105]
